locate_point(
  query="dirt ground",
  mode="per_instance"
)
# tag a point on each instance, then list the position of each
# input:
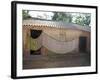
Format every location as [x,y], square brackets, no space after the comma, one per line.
[57,60]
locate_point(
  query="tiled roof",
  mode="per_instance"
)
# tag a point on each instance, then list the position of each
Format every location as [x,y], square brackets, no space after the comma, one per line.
[57,24]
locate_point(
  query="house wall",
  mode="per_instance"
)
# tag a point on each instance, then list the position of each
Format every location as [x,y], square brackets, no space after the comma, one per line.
[26,45]
[70,35]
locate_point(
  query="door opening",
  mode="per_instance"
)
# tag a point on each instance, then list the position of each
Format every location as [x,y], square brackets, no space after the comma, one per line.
[34,49]
[82,44]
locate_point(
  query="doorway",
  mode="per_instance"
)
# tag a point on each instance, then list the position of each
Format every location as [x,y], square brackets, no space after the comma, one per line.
[82,44]
[34,49]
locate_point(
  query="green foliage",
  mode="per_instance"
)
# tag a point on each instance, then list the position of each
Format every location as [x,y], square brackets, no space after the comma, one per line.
[80,18]
[83,20]
[61,16]
[25,14]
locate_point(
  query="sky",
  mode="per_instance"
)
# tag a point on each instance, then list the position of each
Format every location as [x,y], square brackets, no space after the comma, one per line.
[43,15]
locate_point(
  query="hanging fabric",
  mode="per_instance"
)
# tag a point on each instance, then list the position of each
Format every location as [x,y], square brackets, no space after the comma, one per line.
[60,47]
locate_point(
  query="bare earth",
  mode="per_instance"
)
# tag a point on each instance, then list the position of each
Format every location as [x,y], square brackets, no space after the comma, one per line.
[57,60]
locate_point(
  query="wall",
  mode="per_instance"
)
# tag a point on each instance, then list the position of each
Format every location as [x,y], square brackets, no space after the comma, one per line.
[57,40]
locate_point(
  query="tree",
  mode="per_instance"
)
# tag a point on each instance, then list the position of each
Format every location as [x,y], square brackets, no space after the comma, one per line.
[80,18]
[83,19]
[61,16]
[25,14]
[87,20]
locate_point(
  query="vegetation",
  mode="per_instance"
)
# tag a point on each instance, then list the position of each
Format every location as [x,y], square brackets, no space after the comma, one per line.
[25,14]
[83,19]
[61,16]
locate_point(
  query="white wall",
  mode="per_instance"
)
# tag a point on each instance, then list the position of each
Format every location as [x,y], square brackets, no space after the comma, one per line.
[5,40]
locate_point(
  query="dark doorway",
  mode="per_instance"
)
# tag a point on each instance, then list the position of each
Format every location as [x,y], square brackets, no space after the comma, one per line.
[34,34]
[35,52]
[82,44]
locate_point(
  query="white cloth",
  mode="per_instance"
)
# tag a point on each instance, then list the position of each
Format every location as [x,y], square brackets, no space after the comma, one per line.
[54,45]
[59,47]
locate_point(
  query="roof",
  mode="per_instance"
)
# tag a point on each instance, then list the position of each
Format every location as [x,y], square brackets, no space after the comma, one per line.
[57,24]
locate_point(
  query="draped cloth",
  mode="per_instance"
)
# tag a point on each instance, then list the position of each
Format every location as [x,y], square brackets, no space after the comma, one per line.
[52,44]
[60,47]
[35,44]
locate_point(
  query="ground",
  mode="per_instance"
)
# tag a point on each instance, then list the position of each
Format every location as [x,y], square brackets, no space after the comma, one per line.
[57,60]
